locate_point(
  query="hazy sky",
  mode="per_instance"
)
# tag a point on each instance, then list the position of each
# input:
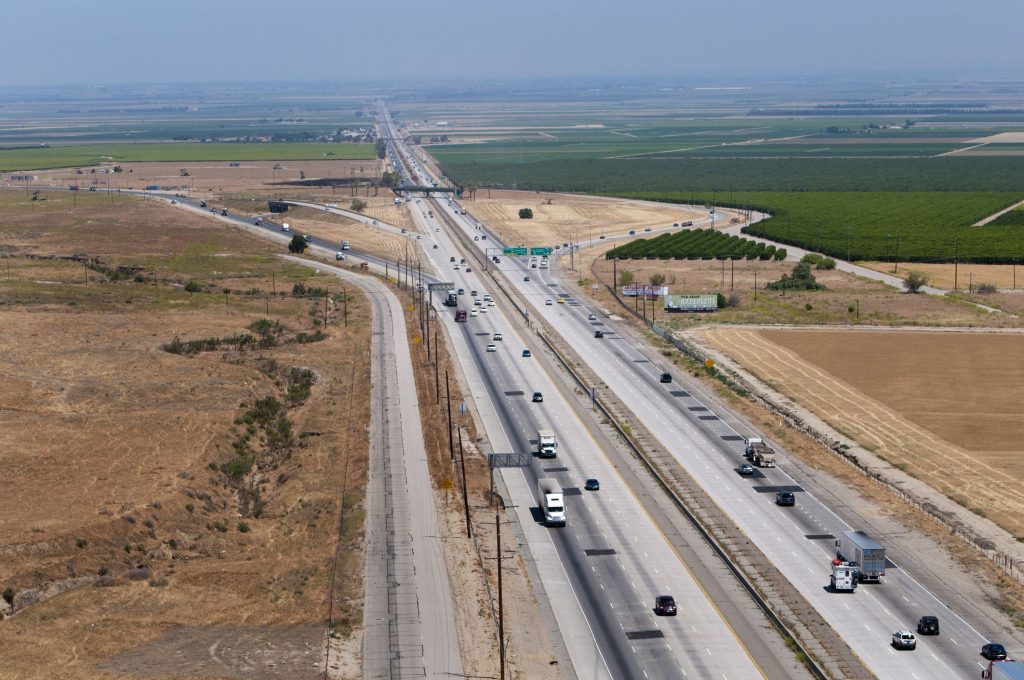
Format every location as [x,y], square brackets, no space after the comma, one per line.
[115,41]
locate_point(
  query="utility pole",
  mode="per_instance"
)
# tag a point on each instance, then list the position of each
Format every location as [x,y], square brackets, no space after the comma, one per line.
[448,396]
[501,607]
[327,295]
[732,274]
[437,382]
[344,293]
[465,494]
[755,285]
[956,262]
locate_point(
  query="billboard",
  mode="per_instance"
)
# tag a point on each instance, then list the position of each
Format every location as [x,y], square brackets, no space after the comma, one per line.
[639,290]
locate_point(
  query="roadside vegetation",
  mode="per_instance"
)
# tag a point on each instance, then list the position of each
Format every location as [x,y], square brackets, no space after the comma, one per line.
[705,244]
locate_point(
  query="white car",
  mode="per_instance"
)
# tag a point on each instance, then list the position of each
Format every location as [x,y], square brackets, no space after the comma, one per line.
[591,318]
[490,303]
[474,312]
[492,347]
[456,267]
[477,302]
[904,639]
[497,337]
[339,255]
[548,302]
[483,310]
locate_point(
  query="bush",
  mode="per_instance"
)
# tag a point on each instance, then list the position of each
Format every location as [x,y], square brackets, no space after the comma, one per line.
[985,288]
[358,205]
[243,527]
[297,244]
[193,287]
[800,279]
[139,573]
[8,596]
[915,281]
[819,261]
[525,214]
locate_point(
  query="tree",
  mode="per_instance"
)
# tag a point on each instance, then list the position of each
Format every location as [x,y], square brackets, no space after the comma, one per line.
[389,179]
[358,204]
[525,214]
[657,279]
[382,148]
[915,281]
[626,278]
[297,245]
[800,279]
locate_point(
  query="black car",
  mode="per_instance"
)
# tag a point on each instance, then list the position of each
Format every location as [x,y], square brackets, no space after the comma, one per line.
[788,498]
[598,334]
[928,625]
[538,397]
[526,353]
[665,605]
[993,651]
[746,469]
[666,377]
[592,485]
[526,279]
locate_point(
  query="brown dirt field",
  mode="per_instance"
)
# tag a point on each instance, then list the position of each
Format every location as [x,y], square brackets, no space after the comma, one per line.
[215,176]
[107,443]
[877,304]
[567,217]
[939,405]
[362,237]
[1003,276]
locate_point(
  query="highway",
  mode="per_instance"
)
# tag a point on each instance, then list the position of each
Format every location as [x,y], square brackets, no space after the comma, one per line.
[800,540]
[602,571]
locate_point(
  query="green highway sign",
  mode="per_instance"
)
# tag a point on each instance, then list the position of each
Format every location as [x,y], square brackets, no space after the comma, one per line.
[514,251]
[540,251]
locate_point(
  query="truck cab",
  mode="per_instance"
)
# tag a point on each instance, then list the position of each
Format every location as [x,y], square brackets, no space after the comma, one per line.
[552,503]
[460,315]
[546,445]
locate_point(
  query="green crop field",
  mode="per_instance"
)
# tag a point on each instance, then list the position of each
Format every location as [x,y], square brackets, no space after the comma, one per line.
[696,244]
[908,226]
[1013,218]
[728,175]
[92,154]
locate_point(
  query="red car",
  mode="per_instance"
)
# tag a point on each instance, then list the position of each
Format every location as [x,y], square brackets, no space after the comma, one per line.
[665,605]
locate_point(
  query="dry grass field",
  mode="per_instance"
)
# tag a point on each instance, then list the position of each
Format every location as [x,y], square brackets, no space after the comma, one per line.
[132,539]
[567,217]
[942,406]
[362,237]
[967,276]
[219,177]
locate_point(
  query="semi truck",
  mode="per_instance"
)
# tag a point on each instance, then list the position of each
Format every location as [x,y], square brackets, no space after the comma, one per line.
[451,301]
[1004,670]
[552,504]
[857,547]
[460,316]
[760,454]
[546,444]
[844,577]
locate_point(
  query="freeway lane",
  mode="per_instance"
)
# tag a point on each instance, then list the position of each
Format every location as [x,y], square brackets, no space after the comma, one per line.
[694,434]
[600,596]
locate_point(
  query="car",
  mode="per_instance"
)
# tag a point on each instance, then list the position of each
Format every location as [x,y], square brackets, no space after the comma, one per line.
[993,651]
[456,266]
[561,301]
[435,246]
[375,222]
[404,231]
[487,297]
[526,279]
[202,204]
[666,378]
[473,293]
[476,238]
[647,230]
[468,270]
[632,232]
[785,498]
[477,302]
[526,353]
[339,255]
[173,202]
[591,317]
[675,224]
[306,237]
[492,303]
[474,312]
[537,397]
[602,237]
[483,310]
[492,347]
[665,605]
[592,485]
[497,337]
[746,469]
[928,625]
[451,259]
[461,291]
[904,639]
[598,334]
[548,302]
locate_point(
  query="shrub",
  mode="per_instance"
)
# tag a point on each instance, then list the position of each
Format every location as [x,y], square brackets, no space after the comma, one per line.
[819,261]
[358,205]
[985,288]
[193,287]
[243,527]
[800,279]
[8,596]
[915,281]
[81,543]
[525,214]
[139,573]
[297,244]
